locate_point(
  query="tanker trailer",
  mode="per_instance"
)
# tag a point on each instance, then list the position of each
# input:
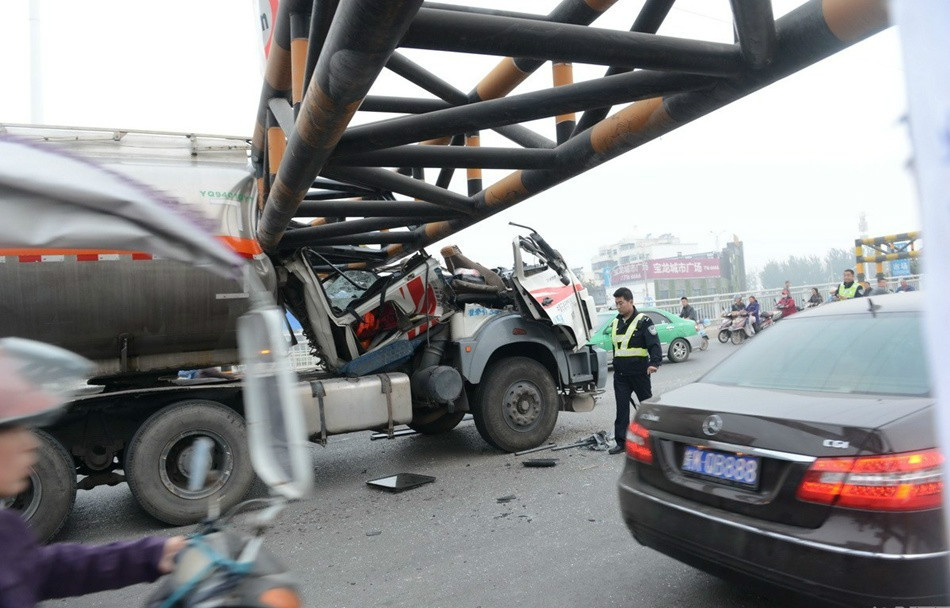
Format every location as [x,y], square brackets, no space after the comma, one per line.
[413,342]
[141,319]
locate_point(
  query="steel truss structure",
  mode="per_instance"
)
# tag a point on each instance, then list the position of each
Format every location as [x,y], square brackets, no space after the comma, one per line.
[326,55]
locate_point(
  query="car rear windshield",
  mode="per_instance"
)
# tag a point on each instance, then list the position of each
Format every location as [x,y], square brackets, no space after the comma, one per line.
[882,355]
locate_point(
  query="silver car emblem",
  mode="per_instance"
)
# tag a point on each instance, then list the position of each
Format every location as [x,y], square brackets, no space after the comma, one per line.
[712,424]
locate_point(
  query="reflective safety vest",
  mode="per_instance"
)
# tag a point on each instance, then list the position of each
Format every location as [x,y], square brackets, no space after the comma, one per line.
[846,293]
[621,343]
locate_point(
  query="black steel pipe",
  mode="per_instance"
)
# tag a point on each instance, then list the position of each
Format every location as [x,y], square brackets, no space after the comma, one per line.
[755,30]
[451,156]
[425,79]
[354,253]
[512,71]
[372,208]
[402,105]
[445,175]
[392,181]
[489,35]
[804,36]
[648,21]
[482,11]
[320,19]
[621,88]
[277,82]
[361,38]
[367,238]
[314,234]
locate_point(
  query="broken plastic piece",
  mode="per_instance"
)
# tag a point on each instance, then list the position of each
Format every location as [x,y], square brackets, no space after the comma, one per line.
[400,482]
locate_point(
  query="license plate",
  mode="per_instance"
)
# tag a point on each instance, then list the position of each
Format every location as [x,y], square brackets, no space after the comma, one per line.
[731,468]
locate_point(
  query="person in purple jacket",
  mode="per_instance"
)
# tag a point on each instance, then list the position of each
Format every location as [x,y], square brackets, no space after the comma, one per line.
[30,572]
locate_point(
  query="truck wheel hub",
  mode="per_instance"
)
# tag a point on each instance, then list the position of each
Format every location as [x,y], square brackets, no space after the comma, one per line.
[175,465]
[522,404]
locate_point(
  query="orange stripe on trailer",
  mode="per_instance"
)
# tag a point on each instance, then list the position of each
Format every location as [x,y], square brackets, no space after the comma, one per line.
[246,248]
[40,252]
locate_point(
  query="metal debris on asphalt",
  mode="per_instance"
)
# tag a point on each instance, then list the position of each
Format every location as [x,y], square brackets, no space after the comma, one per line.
[540,462]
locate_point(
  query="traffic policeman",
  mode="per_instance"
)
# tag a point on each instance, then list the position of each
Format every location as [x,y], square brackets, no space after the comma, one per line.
[637,354]
[849,288]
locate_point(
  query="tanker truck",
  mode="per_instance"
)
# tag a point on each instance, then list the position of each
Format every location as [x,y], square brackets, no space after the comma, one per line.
[420,342]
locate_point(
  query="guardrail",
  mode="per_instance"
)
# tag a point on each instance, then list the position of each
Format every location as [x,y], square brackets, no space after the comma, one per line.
[712,306]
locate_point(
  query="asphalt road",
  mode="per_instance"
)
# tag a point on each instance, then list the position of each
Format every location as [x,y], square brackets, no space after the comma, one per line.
[560,542]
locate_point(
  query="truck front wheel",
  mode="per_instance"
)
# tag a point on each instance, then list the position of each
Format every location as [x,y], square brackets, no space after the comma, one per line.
[158,461]
[49,498]
[516,404]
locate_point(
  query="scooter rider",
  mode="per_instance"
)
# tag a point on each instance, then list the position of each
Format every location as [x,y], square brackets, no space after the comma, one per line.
[637,354]
[29,572]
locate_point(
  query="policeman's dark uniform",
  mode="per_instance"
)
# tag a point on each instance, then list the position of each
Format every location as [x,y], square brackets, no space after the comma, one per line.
[636,347]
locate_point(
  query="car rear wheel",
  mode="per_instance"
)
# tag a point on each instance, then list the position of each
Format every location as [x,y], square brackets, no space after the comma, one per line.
[158,462]
[516,404]
[678,351]
[723,335]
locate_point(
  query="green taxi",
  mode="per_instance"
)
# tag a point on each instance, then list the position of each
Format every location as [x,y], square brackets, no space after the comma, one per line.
[678,337]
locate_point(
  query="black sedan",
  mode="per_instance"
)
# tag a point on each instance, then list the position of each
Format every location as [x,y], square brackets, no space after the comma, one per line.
[807,460]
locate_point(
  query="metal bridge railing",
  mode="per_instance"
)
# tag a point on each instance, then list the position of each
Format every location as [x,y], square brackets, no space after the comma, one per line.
[712,306]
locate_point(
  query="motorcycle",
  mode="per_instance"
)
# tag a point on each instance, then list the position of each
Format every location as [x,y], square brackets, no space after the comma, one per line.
[222,567]
[733,326]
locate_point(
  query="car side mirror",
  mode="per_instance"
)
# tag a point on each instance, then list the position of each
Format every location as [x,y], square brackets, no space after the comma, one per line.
[276,428]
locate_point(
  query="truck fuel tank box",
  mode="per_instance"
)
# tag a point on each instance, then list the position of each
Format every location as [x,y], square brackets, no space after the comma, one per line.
[342,405]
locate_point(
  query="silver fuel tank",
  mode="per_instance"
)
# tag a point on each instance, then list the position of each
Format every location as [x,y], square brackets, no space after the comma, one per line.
[129,311]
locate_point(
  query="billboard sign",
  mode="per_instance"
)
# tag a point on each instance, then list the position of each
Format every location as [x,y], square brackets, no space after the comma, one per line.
[691,267]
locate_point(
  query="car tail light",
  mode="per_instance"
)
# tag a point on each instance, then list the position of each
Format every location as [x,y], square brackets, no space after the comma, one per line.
[638,443]
[908,481]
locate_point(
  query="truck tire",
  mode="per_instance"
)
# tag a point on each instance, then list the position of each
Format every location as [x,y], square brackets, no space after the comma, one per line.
[678,351]
[49,499]
[438,425]
[156,464]
[516,404]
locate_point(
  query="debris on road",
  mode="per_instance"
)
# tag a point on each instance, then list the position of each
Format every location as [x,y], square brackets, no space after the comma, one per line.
[540,462]
[505,499]
[399,433]
[597,441]
[400,482]
[374,533]
[537,449]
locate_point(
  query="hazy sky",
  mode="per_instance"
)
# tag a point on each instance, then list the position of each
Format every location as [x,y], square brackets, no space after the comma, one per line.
[787,169]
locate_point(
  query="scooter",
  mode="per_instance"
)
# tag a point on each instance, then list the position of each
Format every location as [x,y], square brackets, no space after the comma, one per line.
[221,566]
[725,328]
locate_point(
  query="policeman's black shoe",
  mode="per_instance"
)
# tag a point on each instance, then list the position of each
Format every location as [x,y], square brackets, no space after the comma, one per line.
[617,449]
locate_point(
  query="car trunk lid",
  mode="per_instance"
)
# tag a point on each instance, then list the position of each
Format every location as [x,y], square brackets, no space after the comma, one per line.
[781,431]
